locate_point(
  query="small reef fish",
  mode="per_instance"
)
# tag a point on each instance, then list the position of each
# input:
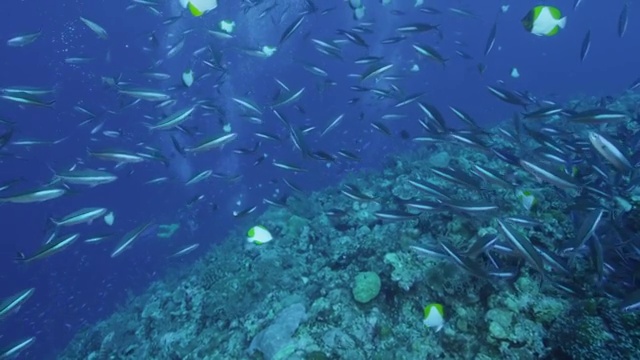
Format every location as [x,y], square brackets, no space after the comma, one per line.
[433,316]
[544,21]
[259,235]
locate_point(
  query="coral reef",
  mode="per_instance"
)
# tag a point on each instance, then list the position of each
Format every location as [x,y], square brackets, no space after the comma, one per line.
[366,287]
[346,285]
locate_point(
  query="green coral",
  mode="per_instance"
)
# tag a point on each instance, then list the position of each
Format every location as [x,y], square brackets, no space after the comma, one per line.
[499,323]
[548,309]
[366,287]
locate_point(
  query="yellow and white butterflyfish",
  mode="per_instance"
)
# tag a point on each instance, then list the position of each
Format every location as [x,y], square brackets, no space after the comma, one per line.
[199,7]
[527,198]
[227,26]
[268,50]
[187,78]
[109,218]
[544,21]
[433,316]
[259,235]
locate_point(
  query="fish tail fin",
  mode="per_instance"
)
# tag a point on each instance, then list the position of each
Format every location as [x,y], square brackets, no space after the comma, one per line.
[562,22]
[53,171]
[20,257]
[117,82]
[55,179]
[57,88]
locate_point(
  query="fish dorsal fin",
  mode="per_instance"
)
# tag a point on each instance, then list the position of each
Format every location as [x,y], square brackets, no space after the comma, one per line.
[194,10]
[555,13]
[536,12]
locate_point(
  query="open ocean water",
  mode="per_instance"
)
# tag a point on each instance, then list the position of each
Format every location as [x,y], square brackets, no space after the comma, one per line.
[319,179]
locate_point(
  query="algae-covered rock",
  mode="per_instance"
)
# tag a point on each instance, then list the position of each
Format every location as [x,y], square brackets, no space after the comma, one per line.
[500,323]
[366,287]
[405,273]
[606,333]
[440,159]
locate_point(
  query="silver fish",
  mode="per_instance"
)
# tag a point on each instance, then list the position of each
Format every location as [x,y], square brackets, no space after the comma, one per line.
[24,39]
[86,215]
[12,351]
[129,238]
[185,250]
[99,30]
[35,196]
[212,143]
[522,245]
[610,152]
[14,302]
[50,248]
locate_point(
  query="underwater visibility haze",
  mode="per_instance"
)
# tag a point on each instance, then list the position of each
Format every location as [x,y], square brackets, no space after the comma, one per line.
[320,179]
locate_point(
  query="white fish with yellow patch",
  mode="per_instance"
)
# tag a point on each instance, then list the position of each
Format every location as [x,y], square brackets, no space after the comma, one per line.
[259,235]
[544,21]
[187,78]
[109,218]
[227,26]
[434,316]
[199,7]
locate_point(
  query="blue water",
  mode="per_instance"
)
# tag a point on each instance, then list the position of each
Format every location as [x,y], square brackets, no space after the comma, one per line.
[83,284]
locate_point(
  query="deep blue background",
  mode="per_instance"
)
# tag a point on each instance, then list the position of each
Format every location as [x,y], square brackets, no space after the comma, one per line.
[83,284]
